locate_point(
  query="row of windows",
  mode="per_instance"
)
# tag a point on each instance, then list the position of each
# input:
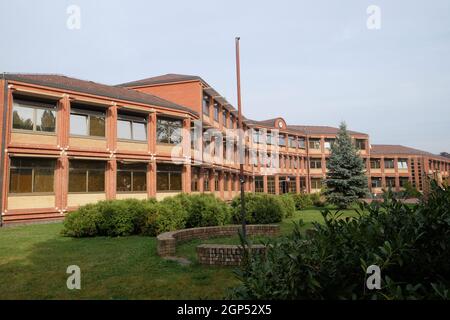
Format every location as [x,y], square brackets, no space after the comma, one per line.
[389,163]
[89,121]
[376,182]
[216,112]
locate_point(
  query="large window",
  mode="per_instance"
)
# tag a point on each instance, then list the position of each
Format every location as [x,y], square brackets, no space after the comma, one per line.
[315,163]
[216,112]
[301,143]
[131,177]
[259,184]
[292,183]
[29,175]
[216,182]
[206,180]
[131,128]
[376,182]
[360,144]
[282,140]
[328,144]
[224,117]
[292,142]
[169,131]
[375,163]
[34,116]
[271,185]
[389,163]
[390,182]
[205,105]
[168,177]
[403,181]
[87,123]
[86,176]
[195,175]
[402,163]
[316,183]
[314,143]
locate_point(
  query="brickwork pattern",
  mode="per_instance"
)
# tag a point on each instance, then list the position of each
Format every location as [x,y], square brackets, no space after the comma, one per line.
[225,255]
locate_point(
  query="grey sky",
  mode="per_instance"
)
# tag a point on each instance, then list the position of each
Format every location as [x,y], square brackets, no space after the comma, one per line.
[311,62]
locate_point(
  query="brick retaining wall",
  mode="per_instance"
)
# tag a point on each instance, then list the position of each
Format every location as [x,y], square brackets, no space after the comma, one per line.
[224,255]
[167,241]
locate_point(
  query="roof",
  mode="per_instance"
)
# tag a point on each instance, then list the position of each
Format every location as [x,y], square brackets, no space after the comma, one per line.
[165,78]
[312,130]
[386,149]
[90,87]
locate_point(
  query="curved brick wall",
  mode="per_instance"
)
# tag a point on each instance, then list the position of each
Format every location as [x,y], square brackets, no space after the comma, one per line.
[167,241]
[225,255]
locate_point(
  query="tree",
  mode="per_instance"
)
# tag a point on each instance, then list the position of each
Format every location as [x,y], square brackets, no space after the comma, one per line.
[346,181]
[445,154]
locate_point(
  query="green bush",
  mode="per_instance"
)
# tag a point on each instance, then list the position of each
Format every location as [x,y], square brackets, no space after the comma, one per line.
[205,210]
[317,199]
[410,244]
[288,205]
[260,208]
[83,222]
[302,201]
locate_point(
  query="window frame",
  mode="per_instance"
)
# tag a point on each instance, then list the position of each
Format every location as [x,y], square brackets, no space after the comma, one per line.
[169,134]
[133,120]
[33,193]
[314,141]
[315,161]
[35,106]
[170,172]
[87,113]
[132,171]
[87,177]
[206,103]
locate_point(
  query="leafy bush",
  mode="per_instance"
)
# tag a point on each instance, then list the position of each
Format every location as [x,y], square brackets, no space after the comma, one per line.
[260,209]
[410,244]
[302,201]
[83,222]
[288,205]
[317,199]
[205,210]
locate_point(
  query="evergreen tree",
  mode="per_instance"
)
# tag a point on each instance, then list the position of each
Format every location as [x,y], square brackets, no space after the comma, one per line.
[346,181]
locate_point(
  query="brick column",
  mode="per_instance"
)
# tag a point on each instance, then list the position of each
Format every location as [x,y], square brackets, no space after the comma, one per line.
[383,178]
[265,183]
[221,183]
[186,177]
[297,184]
[277,185]
[151,179]
[212,182]
[111,179]
[62,163]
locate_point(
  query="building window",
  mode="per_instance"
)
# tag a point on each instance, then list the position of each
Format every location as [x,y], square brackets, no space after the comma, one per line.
[216,112]
[168,177]
[316,183]
[376,182]
[168,131]
[225,182]
[282,140]
[301,143]
[86,176]
[292,142]
[195,175]
[269,138]
[85,122]
[30,175]
[389,163]
[390,182]
[292,185]
[231,121]
[224,118]
[375,164]
[402,163]
[328,144]
[315,163]
[131,177]
[206,180]
[216,182]
[271,185]
[205,105]
[259,184]
[131,128]
[403,181]
[34,116]
[360,144]
[256,136]
[314,143]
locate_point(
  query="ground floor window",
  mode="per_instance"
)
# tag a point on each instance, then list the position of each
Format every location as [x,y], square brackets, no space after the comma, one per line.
[271,185]
[376,182]
[131,177]
[225,182]
[168,177]
[259,184]
[390,182]
[292,185]
[216,182]
[29,175]
[195,175]
[404,181]
[316,183]
[302,184]
[206,180]
[86,176]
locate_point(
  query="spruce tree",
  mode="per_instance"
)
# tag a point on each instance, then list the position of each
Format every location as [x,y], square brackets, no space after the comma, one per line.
[346,181]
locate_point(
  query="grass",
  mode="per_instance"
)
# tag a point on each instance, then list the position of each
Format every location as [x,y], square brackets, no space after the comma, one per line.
[34,259]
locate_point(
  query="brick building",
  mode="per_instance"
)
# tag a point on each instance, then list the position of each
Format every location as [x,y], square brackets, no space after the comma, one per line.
[67,142]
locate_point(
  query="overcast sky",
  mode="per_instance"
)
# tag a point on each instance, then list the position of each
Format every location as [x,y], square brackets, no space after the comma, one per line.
[311,62]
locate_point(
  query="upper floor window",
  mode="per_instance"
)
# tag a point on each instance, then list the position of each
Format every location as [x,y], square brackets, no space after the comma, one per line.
[315,163]
[205,105]
[86,122]
[216,112]
[301,143]
[269,138]
[328,144]
[376,182]
[402,163]
[389,163]
[230,121]
[375,163]
[34,116]
[292,142]
[314,143]
[169,130]
[131,128]
[224,118]
[86,176]
[360,144]
[256,136]
[282,140]
[29,175]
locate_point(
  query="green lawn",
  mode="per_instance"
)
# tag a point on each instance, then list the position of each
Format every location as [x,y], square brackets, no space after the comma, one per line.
[34,259]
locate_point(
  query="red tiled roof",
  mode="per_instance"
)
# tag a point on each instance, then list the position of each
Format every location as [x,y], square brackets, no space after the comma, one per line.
[320,130]
[166,78]
[386,149]
[73,84]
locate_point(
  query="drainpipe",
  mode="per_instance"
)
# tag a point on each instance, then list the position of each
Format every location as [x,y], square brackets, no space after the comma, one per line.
[3,141]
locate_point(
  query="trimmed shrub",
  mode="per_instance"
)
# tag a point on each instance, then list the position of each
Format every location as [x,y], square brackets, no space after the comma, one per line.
[205,210]
[302,201]
[83,222]
[260,209]
[317,199]
[288,204]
